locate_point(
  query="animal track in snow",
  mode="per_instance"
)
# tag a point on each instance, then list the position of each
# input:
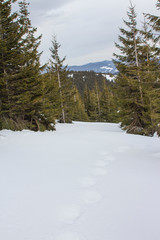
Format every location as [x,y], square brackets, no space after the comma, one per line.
[122,149]
[99,171]
[87,181]
[91,197]
[2,137]
[69,214]
[69,236]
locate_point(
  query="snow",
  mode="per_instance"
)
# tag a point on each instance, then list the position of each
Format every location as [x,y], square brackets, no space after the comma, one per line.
[108,77]
[107,68]
[85,181]
[70,75]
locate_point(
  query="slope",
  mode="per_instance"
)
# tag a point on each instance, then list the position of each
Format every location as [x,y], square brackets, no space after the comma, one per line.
[86,181]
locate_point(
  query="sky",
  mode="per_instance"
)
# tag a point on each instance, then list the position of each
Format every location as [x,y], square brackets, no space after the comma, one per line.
[86,29]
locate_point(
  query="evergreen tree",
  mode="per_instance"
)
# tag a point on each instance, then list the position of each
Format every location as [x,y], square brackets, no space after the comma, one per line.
[138,79]
[51,98]
[79,113]
[94,106]
[87,101]
[20,72]
[9,55]
[130,86]
[92,102]
[149,69]
[31,81]
[152,70]
[65,84]
[106,104]
[155,20]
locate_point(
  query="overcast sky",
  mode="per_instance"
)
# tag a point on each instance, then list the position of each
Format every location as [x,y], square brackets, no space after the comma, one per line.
[86,29]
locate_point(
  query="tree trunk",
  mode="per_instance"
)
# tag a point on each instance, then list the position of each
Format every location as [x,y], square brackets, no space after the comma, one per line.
[61,96]
[137,64]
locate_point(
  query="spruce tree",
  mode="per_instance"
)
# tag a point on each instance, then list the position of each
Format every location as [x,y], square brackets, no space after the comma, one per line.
[87,101]
[130,86]
[21,87]
[152,40]
[95,103]
[10,54]
[51,98]
[79,113]
[106,103]
[59,71]
[94,106]
[31,81]
[149,69]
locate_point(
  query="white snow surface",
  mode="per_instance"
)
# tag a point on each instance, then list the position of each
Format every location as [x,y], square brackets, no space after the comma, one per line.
[107,68]
[85,181]
[108,77]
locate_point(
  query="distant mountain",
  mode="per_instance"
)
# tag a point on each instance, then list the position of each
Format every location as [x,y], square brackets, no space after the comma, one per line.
[98,67]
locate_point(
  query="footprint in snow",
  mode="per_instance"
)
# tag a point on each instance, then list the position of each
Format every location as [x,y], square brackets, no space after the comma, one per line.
[69,236]
[70,214]
[2,137]
[99,172]
[91,197]
[87,182]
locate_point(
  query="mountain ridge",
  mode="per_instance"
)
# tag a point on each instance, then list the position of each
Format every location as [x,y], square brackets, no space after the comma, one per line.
[106,66]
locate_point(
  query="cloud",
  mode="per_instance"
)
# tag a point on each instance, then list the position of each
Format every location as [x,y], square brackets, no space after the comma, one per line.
[86,29]
[43,5]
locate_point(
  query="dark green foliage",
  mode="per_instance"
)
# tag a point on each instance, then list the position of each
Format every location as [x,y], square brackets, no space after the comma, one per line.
[100,104]
[131,96]
[9,54]
[137,84]
[82,78]
[21,90]
[108,104]
[87,101]
[79,113]
[60,74]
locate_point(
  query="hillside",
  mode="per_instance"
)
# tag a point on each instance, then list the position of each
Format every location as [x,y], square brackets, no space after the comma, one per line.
[85,181]
[82,78]
[98,67]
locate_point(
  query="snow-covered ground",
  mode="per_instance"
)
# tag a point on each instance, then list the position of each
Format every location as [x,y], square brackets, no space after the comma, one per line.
[86,181]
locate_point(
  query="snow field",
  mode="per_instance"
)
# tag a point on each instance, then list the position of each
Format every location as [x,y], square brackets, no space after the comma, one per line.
[86,181]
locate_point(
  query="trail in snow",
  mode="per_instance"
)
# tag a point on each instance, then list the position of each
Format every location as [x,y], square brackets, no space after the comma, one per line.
[71,214]
[86,181]
[69,236]
[2,137]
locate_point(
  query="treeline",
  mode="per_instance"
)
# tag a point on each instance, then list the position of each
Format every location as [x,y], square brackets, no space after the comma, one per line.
[89,78]
[97,97]
[32,99]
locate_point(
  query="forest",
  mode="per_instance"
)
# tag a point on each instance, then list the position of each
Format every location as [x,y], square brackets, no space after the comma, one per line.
[35,96]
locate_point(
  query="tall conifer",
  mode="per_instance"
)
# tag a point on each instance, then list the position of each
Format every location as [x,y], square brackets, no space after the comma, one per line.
[131,95]
[21,89]
[59,71]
